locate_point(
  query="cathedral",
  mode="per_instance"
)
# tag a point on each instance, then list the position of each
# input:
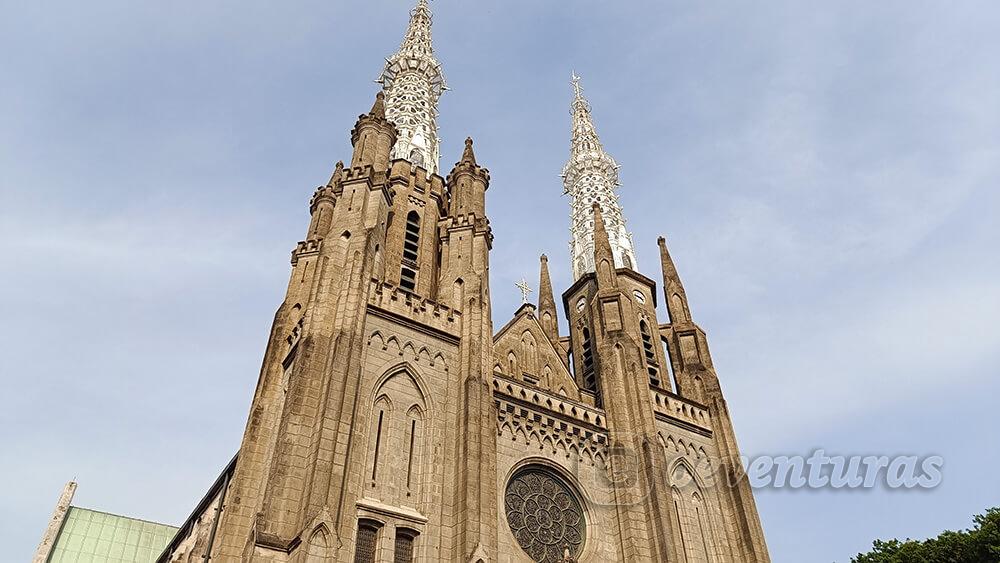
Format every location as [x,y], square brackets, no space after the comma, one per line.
[391,422]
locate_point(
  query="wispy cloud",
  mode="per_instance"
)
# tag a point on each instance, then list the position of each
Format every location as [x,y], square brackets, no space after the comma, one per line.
[826,177]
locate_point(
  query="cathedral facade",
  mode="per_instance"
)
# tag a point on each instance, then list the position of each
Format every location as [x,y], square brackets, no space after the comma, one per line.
[392,423]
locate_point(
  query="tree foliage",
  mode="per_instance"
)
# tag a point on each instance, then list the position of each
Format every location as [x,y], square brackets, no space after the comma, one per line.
[979,544]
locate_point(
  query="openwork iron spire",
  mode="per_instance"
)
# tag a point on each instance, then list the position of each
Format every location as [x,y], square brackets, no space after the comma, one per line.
[591,177]
[413,82]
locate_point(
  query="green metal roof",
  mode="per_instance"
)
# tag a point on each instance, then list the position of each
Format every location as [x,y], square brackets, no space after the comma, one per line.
[89,536]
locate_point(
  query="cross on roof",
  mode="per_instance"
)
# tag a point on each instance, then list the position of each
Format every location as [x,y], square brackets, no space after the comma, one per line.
[525,289]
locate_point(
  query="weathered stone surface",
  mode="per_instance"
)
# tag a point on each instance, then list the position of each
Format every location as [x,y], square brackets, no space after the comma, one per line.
[389,419]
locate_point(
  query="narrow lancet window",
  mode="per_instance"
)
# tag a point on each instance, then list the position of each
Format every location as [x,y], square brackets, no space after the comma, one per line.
[589,381]
[411,239]
[378,444]
[650,354]
[411,250]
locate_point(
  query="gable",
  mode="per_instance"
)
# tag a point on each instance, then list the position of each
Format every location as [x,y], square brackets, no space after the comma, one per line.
[524,353]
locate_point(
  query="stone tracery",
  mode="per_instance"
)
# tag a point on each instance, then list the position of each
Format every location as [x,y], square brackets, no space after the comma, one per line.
[591,176]
[413,82]
[544,515]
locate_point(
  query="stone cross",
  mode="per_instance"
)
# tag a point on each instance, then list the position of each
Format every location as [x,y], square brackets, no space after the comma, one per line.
[525,289]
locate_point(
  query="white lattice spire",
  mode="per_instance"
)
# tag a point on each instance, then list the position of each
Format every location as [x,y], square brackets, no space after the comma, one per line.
[591,176]
[413,82]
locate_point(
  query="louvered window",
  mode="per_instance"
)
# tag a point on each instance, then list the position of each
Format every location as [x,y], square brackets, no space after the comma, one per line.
[404,546]
[589,381]
[647,350]
[407,279]
[367,542]
[411,238]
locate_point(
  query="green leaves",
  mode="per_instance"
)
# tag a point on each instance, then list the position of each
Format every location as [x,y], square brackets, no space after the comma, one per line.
[979,544]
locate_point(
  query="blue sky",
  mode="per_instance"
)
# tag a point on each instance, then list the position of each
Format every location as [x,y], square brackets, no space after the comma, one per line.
[826,175]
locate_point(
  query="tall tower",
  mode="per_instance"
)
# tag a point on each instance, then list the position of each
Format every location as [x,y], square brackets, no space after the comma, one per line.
[591,176]
[371,430]
[413,82]
[390,422]
[686,497]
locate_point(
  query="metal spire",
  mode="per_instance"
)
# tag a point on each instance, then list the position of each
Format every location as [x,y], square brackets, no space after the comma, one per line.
[413,82]
[591,177]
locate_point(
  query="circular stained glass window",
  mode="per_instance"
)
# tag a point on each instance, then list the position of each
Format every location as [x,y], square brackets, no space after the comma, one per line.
[544,515]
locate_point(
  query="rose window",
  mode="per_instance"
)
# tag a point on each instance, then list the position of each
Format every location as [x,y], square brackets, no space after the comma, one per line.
[544,515]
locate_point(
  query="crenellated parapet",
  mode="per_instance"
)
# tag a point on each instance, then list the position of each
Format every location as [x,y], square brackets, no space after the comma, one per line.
[323,194]
[364,173]
[403,304]
[424,184]
[306,248]
[477,224]
[367,176]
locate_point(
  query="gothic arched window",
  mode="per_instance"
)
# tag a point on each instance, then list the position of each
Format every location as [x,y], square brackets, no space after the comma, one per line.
[528,351]
[397,441]
[382,414]
[414,419]
[694,519]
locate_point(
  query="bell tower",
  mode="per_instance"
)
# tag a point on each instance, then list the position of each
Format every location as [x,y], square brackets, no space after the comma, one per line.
[371,432]
[652,381]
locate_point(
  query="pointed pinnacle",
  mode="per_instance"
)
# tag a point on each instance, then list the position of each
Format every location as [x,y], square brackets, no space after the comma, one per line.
[545,283]
[378,108]
[546,302]
[575,80]
[467,154]
[418,31]
[602,244]
[667,265]
[338,173]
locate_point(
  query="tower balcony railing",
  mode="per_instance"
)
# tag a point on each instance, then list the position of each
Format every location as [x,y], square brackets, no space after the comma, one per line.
[675,407]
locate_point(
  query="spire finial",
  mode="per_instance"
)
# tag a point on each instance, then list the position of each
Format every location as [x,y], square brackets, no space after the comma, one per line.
[591,176]
[467,154]
[547,313]
[338,173]
[577,89]
[673,289]
[525,290]
[378,108]
[413,82]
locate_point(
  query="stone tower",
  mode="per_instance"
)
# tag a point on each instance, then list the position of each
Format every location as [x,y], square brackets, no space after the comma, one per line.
[390,423]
